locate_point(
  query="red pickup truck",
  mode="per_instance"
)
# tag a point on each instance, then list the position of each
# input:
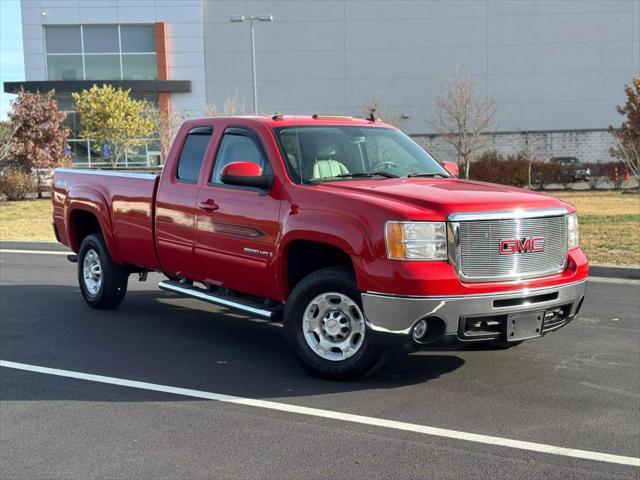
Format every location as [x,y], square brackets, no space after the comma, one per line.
[344,230]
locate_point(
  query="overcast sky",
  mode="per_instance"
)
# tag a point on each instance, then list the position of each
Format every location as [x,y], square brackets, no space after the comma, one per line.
[11,61]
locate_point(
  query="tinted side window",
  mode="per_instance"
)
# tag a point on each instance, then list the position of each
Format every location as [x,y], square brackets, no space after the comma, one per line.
[192,154]
[237,148]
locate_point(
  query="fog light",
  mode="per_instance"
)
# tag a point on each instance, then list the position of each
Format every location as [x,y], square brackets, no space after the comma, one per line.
[419,330]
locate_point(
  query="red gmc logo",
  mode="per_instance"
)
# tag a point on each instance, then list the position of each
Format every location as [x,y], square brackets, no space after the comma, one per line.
[509,246]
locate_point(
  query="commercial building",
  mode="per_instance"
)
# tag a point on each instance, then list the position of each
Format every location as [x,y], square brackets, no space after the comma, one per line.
[556,68]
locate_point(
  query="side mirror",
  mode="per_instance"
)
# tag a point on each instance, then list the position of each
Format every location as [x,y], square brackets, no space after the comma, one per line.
[245,174]
[452,168]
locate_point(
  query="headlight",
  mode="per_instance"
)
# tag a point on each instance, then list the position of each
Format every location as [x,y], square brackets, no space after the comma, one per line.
[573,237]
[416,240]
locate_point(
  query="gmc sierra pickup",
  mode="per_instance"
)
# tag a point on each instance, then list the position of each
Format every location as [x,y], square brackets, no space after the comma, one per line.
[344,230]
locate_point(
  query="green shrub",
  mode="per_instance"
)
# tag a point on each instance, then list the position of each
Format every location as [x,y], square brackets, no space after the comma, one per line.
[15,184]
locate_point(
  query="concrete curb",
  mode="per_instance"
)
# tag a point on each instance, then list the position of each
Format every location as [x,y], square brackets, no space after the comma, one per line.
[27,245]
[608,271]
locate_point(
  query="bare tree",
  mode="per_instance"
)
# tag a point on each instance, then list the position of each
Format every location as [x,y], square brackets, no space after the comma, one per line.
[233,105]
[627,136]
[166,125]
[375,110]
[462,119]
[530,148]
[8,130]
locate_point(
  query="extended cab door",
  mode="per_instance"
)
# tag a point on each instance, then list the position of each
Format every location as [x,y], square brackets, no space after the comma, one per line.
[176,204]
[236,226]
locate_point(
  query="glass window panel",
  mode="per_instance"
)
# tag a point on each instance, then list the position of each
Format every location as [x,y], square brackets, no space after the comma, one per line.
[155,159]
[64,67]
[101,39]
[63,39]
[65,102]
[97,154]
[78,152]
[138,38]
[72,122]
[139,67]
[153,146]
[192,153]
[235,148]
[137,156]
[102,67]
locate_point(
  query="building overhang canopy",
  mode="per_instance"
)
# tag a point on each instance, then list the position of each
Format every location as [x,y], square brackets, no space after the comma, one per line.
[69,86]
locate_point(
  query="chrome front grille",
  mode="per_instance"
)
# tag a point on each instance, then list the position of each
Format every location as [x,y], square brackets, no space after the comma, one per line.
[478,243]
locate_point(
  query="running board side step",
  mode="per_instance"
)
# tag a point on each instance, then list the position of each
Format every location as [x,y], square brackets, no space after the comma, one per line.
[217,299]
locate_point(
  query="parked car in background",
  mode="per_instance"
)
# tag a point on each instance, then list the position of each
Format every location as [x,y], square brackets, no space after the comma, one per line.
[572,170]
[43,176]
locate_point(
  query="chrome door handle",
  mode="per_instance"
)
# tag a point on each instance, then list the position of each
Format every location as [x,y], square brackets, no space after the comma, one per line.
[209,206]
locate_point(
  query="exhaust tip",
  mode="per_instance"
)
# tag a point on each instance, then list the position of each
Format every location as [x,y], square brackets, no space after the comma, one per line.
[428,330]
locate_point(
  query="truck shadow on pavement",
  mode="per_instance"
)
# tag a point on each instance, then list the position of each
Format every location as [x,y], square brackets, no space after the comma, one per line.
[160,338]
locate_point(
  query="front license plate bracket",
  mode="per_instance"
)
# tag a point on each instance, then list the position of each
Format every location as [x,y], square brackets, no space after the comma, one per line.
[523,326]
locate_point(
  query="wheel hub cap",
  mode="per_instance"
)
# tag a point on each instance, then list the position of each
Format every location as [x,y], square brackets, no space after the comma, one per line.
[92,272]
[333,326]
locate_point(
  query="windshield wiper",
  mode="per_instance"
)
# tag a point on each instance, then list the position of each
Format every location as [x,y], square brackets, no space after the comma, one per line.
[433,174]
[378,173]
[353,175]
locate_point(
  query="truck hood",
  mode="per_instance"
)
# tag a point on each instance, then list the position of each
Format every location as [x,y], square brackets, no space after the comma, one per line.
[444,196]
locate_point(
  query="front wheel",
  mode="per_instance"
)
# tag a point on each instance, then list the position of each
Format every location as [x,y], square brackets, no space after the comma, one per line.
[325,327]
[103,283]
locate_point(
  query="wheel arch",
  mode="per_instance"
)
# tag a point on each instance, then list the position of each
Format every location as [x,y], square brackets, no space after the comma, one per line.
[302,256]
[85,218]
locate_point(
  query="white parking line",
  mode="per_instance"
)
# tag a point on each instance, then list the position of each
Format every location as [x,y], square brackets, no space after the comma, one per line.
[345,417]
[35,252]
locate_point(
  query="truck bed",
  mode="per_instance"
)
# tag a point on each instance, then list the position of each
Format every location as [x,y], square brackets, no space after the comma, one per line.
[123,203]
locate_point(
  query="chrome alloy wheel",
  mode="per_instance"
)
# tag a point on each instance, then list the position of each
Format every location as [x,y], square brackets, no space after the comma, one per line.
[92,272]
[333,326]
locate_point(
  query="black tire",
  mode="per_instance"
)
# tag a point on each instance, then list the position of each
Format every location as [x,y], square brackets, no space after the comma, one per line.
[114,278]
[368,357]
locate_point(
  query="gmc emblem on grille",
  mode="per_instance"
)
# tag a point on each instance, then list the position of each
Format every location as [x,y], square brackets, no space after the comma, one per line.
[509,246]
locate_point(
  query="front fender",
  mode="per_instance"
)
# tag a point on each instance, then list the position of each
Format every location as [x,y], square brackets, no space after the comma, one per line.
[340,230]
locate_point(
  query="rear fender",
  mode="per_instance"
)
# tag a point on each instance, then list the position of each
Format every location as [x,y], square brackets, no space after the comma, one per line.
[93,202]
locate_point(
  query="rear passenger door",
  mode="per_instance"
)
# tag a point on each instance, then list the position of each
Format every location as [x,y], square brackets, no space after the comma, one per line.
[176,204]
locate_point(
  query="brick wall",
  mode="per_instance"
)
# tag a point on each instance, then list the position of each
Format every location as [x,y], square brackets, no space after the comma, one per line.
[589,146]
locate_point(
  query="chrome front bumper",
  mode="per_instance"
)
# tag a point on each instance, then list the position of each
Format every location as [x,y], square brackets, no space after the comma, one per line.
[398,315]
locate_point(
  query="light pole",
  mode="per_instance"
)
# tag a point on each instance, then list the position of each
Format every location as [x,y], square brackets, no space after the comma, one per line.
[262,17]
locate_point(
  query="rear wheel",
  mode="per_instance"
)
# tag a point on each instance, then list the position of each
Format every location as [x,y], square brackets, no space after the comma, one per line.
[103,283]
[325,326]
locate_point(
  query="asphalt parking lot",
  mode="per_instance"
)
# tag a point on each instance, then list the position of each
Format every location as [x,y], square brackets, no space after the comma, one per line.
[578,388]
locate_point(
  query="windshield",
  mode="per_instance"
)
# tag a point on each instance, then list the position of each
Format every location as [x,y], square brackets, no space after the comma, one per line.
[323,153]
